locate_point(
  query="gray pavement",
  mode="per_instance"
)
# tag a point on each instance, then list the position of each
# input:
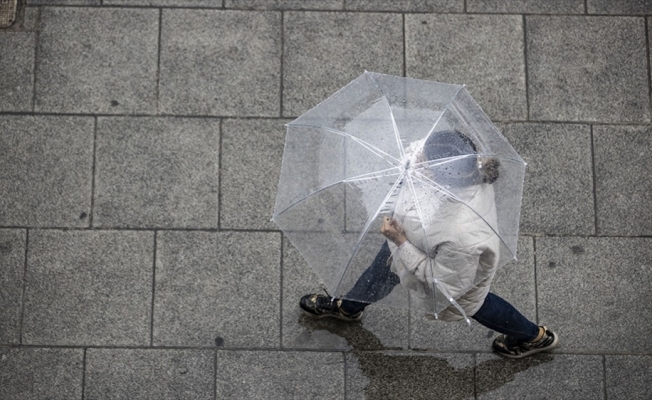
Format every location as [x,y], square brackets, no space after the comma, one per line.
[140,149]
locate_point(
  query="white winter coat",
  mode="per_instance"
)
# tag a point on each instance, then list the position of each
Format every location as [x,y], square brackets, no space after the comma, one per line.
[464,248]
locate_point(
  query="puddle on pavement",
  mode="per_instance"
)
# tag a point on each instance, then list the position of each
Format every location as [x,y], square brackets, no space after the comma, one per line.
[377,372]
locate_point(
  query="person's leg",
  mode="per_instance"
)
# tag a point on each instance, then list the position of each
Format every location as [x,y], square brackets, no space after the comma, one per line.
[373,285]
[520,336]
[499,315]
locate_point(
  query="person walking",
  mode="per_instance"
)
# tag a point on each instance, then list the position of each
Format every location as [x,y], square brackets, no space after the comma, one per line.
[462,254]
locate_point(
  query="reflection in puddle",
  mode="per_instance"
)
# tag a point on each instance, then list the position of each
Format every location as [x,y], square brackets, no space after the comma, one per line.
[376,372]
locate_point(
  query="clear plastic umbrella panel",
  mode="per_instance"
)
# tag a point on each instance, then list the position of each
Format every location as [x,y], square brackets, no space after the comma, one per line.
[422,153]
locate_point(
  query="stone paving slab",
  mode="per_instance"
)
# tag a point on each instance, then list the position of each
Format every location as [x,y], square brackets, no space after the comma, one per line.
[402,375]
[36,374]
[236,75]
[484,52]
[324,51]
[587,69]
[243,375]
[12,267]
[624,194]
[217,289]
[407,5]
[17,66]
[628,377]
[380,328]
[594,292]
[149,374]
[629,7]
[88,288]
[543,376]
[156,173]
[97,60]
[46,168]
[526,6]
[251,163]
[515,282]
[558,189]
[286,4]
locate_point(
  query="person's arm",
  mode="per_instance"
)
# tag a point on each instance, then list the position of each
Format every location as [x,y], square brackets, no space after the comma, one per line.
[454,268]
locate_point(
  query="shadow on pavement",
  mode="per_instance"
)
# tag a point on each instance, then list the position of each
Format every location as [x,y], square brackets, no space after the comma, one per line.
[384,374]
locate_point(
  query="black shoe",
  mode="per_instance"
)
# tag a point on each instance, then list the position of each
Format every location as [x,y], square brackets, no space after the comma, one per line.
[320,306]
[505,347]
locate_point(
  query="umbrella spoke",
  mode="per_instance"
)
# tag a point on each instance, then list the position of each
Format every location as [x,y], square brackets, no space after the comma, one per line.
[399,143]
[359,178]
[375,150]
[390,193]
[426,245]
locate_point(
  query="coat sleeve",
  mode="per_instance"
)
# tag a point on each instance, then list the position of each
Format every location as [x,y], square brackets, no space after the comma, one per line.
[453,267]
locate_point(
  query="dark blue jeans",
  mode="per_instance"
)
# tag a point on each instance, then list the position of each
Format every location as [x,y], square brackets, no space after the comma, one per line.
[495,313]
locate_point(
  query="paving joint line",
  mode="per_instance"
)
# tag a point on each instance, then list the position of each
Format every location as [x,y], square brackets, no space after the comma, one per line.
[596,221]
[151,326]
[93,171]
[23,290]
[37,34]
[536,284]
[404,47]
[525,70]
[158,61]
[351,11]
[220,154]
[286,118]
[281,89]
[647,60]
[83,386]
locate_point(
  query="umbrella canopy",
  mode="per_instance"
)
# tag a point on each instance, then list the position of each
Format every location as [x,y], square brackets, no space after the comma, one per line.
[419,151]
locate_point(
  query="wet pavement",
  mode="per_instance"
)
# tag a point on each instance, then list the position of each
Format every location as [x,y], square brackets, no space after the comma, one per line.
[140,149]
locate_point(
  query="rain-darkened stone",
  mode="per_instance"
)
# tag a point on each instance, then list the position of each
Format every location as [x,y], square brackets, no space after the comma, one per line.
[244,375]
[526,6]
[409,375]
[543,375]
[514,282]
[285,4]
[381,327]
[628,377]
[217,289]
[587,69]
[325,51]
[623,190]
[251,164]
[484,52]
[88,288]
[17,69]
[558,189]
[149,374]
[406,5]
[156,172]
[36,374]
[46,166]
[12,267]
[216,62]
[584,283]
[97,60]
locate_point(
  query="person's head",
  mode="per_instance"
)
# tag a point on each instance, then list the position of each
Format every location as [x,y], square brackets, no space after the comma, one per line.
[464,170]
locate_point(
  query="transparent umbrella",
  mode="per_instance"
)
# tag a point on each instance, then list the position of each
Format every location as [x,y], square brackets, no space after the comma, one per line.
[420,152]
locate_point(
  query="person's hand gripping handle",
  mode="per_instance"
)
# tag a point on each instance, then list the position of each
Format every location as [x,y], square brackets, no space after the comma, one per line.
[393,231]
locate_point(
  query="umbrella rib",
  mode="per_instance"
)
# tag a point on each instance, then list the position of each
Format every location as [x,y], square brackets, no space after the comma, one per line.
[366,228]
[367,145]
[391,114]
[358,178]
[443,112]
[424,179]
[427,251]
